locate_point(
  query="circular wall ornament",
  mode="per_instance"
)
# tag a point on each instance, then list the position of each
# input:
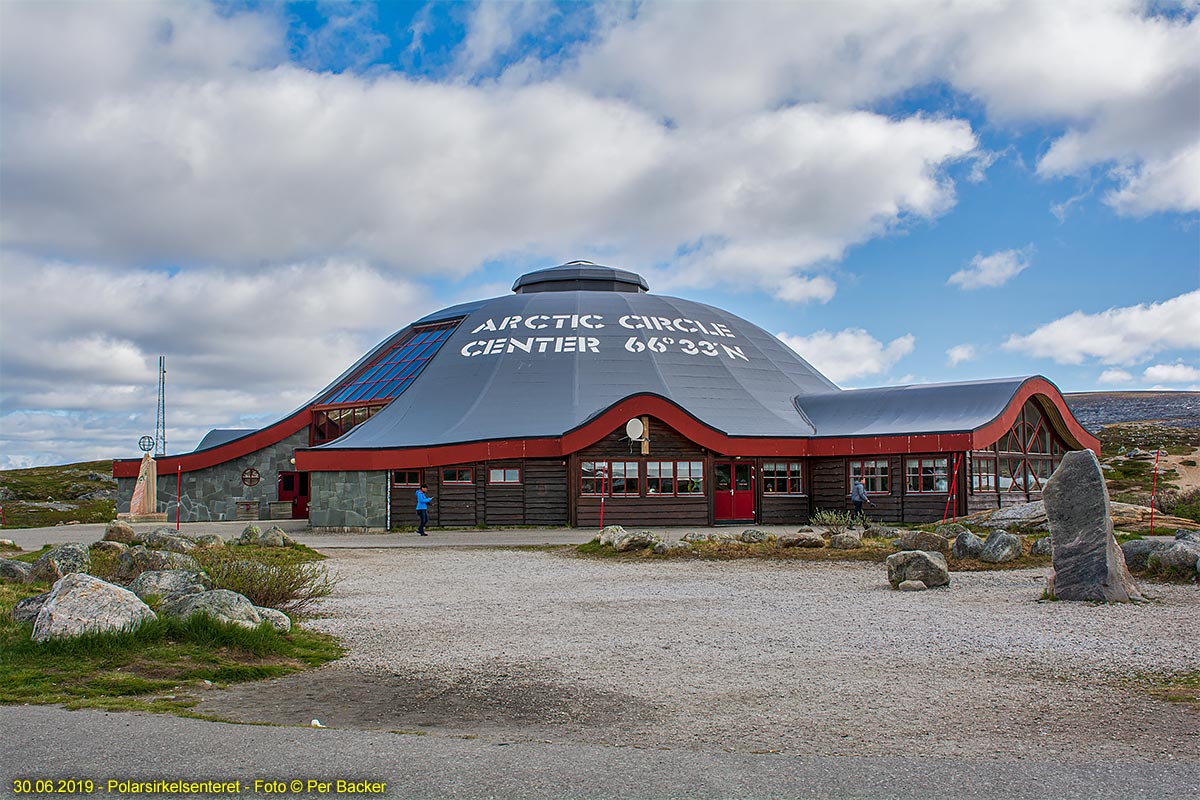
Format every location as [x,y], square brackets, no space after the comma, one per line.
[146,443]
[250,476]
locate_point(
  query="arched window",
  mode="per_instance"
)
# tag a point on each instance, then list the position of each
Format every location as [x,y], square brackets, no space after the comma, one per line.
[1025,456]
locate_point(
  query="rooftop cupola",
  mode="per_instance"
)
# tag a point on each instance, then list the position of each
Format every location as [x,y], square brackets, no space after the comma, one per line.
[580,276]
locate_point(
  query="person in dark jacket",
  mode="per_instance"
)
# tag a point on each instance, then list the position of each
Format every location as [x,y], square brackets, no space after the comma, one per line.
[422,510]
[858,496]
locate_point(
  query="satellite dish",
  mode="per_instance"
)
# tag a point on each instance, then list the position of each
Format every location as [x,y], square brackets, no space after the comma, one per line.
[634,428]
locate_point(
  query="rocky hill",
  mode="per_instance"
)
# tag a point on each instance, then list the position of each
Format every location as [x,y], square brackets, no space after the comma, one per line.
[1095,410]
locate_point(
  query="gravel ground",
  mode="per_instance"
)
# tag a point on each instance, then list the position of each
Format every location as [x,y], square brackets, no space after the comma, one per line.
[749,656]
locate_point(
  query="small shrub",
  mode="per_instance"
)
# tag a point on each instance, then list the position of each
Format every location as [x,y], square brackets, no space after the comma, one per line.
[292,588]
[1188,462]
[833,521]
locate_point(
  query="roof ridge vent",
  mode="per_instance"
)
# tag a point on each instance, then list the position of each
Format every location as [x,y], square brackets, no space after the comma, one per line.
[580,276]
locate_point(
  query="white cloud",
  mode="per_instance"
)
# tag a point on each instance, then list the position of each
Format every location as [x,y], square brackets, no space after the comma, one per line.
[1116,336]
[850,353]
[994,270]
[1171,373]
[960,353]
[1112,377]
[241,349]
[1122,80]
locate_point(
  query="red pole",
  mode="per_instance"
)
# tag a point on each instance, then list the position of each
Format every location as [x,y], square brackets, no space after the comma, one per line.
[603,475]
[953,492]
[1154,488]
[178,493]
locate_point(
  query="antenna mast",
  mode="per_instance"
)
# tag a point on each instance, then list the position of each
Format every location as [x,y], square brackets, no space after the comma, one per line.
[160,423]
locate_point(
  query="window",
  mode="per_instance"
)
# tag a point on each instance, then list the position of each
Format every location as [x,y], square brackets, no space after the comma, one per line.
[330,423]
[406,477]
[1029,452]
[783,477]
[593,478]
[395,368]
[983,474]
[623,481]
[689,477]
[660,477]
[873,473]
[927,475]
[458,475]
[504,475]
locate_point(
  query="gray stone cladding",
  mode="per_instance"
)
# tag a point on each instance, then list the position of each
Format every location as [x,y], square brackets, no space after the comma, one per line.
[212,494]
[348,500]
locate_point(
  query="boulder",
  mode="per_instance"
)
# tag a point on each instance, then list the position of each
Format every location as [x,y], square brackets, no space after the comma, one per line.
[608,536]
[249,534]
[951,531]
[279,620]
[1041,547]
[14,570]
[722,537]
[924,540]
[220,604]
[105,546]
[1190,536]
[1137,551]
[912,586]
[636,540]
[804,538]
[967,545]
[1025,515]
[138,559]
[167,583]
[880,532]
[118,531]
[274,537]
[27,610]
[1177,559]
[168,539]
[1000,547]
[59,561]
[917,565]
[208,540]
[661,548]
[1088,563]
[694,537]
[845,541]
[754,536]
[8,543]
[80,603]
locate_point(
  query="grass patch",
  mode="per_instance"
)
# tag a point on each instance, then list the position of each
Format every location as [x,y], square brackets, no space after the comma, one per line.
[68,484]
[152,667]
[1181,687]
[299,554]
[292,582]
[1125,436]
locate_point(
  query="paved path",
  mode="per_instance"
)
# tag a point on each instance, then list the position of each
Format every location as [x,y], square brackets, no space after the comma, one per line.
[41,741]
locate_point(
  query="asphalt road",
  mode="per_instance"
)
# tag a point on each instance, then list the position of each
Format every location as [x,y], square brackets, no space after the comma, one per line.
[43,742]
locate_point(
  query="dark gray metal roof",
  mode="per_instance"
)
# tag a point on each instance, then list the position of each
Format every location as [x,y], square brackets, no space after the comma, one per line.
[512,370]
[219,436]
[923,408]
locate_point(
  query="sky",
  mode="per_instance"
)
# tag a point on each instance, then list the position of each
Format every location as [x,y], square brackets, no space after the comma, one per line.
[903,192]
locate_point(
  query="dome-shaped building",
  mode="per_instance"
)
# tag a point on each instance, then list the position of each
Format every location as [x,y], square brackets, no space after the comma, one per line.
[582,391]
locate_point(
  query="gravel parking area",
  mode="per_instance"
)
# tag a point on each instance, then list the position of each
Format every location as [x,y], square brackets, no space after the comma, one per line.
[751,656]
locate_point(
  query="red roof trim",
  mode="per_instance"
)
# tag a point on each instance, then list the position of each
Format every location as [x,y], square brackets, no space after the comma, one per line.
[190,462]
[1067,426]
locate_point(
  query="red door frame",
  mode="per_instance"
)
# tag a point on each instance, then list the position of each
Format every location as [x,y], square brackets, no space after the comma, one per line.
[298,494]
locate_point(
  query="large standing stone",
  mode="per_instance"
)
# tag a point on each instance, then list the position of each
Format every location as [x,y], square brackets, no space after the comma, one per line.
[1088,564]
[80,604]
[917,565]
[60,561]
[967,545]
[1001,546]
[220,604]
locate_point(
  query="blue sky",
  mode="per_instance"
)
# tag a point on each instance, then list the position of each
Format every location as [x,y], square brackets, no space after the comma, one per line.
[903,191]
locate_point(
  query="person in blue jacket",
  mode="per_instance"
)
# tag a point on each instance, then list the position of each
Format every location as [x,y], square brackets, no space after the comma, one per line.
[858,496]
[422,510]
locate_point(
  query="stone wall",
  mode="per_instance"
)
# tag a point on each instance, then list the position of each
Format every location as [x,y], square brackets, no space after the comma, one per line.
[348,500]
[212,494]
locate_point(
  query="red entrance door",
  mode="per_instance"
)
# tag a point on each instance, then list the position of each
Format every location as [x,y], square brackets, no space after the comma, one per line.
[294,486]
[733,492]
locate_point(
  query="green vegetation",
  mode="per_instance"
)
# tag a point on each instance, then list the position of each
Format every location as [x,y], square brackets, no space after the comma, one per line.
[1122,437]
[833,521]
[29,490]
[1181,687]
[152,667]
[292,588]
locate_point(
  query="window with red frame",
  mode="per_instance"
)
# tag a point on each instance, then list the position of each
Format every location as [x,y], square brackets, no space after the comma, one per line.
[458,475]
[504,475]
[406,477]
[610,478]
[927,475]
[874,474]
[983,474]
[783,477]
